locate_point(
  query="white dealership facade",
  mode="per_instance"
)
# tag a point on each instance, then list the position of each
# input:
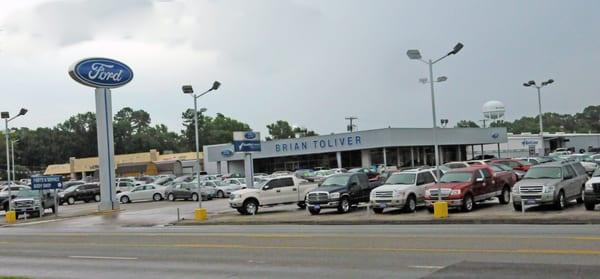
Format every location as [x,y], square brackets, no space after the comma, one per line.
[390,146]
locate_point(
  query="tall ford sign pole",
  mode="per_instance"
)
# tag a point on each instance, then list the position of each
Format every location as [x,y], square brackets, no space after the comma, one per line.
[247,142]
[103,74]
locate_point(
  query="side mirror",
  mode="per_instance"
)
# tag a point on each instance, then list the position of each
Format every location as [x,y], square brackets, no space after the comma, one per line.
[480,179]
[266,187]
[568,177]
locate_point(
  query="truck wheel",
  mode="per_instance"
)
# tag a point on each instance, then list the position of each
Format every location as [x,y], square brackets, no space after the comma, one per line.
[97,198]
[220,194]
[314,211]
[241,211]
[195,197]
[560,202]
[71,200]
[468,203]
[580,199]
[302,205]
[250,206]
[517,207]
[378,210]
[344,206]
[411,204]
[504,197]
[590,205]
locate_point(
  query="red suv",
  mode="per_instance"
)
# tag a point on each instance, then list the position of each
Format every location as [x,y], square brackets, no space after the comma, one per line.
[462,188]
[514,164]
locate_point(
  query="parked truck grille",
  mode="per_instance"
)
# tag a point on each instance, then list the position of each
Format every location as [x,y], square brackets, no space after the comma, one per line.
[318,197]
[384,194]
[531,189]
[24,204]
[434,193]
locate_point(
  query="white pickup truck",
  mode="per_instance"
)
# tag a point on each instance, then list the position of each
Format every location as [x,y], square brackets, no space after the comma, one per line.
[273,191]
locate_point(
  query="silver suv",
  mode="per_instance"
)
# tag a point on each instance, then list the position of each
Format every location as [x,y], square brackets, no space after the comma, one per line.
[554,183]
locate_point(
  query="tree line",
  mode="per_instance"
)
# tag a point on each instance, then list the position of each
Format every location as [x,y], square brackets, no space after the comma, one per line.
[133,132]
[582,122]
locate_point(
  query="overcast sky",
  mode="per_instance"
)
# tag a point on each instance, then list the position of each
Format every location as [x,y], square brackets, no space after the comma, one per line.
[309,62]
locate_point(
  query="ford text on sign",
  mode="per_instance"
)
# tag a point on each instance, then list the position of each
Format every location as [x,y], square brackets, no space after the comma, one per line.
[101,73]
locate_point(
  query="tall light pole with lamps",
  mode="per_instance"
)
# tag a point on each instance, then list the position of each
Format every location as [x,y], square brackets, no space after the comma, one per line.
[539,87]
[6,116]
[415,54]
[12,150]
[187,89]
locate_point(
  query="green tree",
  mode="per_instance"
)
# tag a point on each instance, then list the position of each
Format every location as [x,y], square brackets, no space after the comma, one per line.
[280,130]
[210,130]
[466,124]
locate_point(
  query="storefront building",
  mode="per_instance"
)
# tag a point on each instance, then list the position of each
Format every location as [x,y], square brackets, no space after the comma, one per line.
[390,146]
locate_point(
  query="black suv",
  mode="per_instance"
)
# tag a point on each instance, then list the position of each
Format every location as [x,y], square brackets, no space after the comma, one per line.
[339,191]
[86,192]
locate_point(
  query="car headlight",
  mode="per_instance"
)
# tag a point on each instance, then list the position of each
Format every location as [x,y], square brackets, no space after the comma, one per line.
[515,189]
[399,193]
[37,203]
[549,189]
[236,196]
[455,192]
[588,186]
[62,195]
[334,195]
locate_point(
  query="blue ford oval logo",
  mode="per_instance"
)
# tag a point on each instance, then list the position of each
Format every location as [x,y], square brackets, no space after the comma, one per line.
[495,135]
[101,72]
[227,153]
[250,135]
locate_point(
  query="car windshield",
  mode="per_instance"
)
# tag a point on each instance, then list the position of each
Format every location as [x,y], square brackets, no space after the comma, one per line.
[453,177]
[337,180]
[544,173]
[25,193]
[401,178]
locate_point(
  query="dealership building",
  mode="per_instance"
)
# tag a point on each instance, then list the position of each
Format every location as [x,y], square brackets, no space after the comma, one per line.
[528,144]
[390,146]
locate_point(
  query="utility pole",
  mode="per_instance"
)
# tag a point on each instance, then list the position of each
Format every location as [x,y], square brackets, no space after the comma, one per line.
[351,126]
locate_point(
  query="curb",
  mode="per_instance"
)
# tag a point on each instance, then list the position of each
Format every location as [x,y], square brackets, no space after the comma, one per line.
[398,222]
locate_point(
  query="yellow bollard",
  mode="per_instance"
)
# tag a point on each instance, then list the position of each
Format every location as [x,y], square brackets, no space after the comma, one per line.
[11,217]
[440,210]
[200,214]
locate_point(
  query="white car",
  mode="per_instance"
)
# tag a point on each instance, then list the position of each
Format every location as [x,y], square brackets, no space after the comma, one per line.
[586,161]
[225,187]
[273,191]
[142,193]
[405,189]
[456,165]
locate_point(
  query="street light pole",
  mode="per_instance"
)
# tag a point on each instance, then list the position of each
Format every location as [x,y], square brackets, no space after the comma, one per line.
[187,89]
[6,116]
[12,148]
[416,55]
[539,93]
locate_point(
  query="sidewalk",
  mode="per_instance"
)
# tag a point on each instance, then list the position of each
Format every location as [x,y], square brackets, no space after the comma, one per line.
[485,214]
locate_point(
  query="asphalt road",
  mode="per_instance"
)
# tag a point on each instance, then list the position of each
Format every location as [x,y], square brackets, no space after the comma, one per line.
[411,251]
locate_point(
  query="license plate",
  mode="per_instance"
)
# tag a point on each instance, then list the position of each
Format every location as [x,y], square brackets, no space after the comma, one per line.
[382,205]
[530,202]
[317,206]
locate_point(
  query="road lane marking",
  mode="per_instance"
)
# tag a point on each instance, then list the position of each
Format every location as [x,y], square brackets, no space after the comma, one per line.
[102,258]
[335,249]
[426,266]
[301,236]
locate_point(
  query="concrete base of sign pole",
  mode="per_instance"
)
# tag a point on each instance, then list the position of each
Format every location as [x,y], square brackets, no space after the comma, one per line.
[106,151]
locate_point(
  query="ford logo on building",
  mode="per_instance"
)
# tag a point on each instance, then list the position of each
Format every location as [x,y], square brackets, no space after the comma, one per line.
[495,135]
[250,135]
[101,72]
[227,153]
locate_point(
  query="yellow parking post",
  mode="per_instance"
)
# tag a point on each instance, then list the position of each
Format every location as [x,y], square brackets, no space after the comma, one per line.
[440,210]
[11,217]
[200,214]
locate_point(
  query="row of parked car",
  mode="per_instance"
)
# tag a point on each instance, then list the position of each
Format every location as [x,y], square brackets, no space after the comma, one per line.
[525,181]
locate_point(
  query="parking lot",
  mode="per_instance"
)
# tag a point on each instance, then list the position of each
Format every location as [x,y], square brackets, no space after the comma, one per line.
[144,214]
